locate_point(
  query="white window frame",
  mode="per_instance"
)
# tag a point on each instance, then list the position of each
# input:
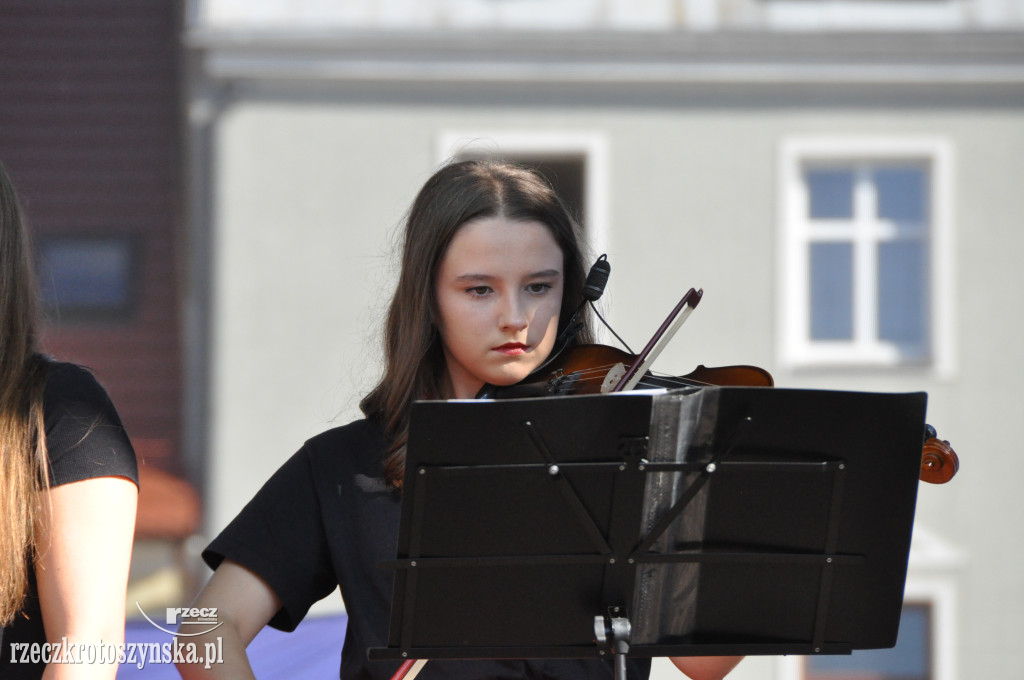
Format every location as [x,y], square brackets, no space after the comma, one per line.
[796,349]
[591,146]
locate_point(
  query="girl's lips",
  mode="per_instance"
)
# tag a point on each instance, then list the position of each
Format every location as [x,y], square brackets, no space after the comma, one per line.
[512,348]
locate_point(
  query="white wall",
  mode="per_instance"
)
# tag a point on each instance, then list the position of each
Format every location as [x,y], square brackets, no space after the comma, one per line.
[309,195]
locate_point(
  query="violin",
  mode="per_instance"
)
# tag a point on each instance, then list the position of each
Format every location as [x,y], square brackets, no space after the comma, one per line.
[600,369]
[597,369]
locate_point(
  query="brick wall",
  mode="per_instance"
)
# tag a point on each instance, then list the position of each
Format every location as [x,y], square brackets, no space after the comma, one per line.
[90,131]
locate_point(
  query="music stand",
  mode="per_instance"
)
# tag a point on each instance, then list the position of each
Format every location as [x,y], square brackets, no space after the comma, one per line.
[710,521]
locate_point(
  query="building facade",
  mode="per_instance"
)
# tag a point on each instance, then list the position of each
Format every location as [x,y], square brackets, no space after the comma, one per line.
[841,178]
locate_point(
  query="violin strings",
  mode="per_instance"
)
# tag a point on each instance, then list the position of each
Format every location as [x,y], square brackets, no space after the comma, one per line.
[600,373]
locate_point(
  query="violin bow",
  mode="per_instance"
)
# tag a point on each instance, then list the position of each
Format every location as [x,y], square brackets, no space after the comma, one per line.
[660,340]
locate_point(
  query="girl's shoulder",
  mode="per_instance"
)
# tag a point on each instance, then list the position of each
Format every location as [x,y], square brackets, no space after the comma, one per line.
[73,396]
[363,432]
[63,377]
[84,434]
[357,446]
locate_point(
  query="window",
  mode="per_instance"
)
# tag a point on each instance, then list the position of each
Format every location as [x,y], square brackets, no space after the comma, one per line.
[926,645]
[872,220]
[86,278]
[910,659]
[864,254]
[565,174]
[575,164]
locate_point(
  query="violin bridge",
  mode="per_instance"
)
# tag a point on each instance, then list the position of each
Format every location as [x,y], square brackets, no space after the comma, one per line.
[613,377]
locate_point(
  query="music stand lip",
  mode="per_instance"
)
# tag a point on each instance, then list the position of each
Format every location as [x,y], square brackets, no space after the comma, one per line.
[777,648]
[708,555]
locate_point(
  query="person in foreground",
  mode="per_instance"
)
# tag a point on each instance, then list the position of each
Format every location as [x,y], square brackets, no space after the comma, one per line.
[68,493]
[492,270]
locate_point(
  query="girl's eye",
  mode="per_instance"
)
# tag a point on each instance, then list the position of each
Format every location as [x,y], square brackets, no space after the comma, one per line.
[538,288]
[479,291]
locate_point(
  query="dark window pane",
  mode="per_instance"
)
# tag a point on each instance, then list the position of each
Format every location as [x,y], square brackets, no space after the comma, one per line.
[902,194]
[83,277]
[902,292]
[831,194]
[908,660]
[831,291]
[566,177]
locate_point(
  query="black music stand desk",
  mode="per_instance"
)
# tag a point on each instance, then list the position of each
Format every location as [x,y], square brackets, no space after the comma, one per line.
[698,521]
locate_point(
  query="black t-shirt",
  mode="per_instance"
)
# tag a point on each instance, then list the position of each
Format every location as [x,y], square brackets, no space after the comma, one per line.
[326,518]
[84,439]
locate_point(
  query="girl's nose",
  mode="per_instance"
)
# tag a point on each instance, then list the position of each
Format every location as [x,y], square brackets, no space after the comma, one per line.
[513,316]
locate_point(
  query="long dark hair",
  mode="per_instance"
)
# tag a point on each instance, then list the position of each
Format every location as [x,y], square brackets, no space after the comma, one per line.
[414,363]
[23,468]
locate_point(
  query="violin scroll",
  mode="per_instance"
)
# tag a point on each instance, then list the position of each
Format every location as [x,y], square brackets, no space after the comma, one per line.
[939,461]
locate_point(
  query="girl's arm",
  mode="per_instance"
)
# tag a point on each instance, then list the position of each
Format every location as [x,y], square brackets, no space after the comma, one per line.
[245,603]
[706,667]
[82,568]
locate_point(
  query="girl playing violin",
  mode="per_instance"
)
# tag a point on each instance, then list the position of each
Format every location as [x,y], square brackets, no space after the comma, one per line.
[492,271]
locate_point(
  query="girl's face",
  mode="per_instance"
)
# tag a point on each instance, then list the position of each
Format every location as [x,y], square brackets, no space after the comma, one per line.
[499,293]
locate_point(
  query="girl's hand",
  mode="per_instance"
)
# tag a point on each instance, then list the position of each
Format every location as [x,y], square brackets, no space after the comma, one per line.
[706,667]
